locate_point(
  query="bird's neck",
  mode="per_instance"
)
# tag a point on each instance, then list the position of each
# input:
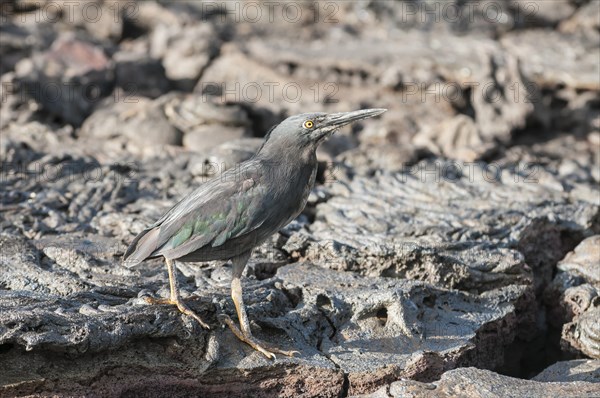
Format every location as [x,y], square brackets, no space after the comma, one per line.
[289,168]
[290,176]
[286,154]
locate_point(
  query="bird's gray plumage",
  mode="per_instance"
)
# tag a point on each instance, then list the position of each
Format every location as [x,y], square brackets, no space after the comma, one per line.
[233,213]
[238,210]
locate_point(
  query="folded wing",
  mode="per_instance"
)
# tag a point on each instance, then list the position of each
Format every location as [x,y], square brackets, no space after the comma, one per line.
[217,211]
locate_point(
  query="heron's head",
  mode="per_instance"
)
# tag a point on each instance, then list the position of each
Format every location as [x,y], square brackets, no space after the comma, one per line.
[310,129]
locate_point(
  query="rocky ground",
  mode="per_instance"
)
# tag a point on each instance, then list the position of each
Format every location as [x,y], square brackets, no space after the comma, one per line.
[450,248]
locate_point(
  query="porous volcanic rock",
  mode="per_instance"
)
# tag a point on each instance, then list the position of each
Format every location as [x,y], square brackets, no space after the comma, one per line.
[477,383]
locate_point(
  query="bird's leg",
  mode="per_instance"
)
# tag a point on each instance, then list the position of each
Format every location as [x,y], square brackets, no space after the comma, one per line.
[245,334]
[175,298]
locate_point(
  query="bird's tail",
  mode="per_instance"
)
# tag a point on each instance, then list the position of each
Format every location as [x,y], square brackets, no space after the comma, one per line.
[142,247]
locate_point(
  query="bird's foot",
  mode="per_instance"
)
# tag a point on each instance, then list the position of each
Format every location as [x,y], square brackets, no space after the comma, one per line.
[183,308]
[266,349]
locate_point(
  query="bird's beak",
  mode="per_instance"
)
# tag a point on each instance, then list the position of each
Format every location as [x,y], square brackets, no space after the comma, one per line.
[334,121]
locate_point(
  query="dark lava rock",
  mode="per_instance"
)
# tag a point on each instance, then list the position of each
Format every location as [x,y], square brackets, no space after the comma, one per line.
[19,41]
[140,75]
[471,217]
[73,301]
[69,79]
[456,230]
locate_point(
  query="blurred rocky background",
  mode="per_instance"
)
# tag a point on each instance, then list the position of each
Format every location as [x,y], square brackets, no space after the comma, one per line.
[450,246]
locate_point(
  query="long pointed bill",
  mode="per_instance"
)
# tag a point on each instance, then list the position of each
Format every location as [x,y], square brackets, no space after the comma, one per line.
[334,121]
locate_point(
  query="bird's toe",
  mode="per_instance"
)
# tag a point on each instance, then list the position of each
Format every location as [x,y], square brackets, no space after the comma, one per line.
[181,306]
[156,301]
[187,311]
[260,346]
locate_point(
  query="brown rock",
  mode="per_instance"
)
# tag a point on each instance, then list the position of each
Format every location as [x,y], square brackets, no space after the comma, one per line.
[477,383]
[69,79]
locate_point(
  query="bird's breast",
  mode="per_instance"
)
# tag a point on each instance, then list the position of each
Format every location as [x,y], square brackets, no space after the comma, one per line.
[306,183]
[309,186]
[291,190]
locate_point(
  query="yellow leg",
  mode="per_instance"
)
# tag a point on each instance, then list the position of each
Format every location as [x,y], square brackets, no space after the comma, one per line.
[175,298]
[245,334]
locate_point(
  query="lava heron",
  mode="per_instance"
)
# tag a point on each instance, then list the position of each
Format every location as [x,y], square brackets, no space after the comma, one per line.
[228,216]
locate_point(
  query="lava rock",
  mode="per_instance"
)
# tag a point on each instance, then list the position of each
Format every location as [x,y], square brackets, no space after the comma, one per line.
[103,19]
[69,79]
[19,41]
[140,75]
[193,111]
[185,53]
[583,20]
[225,156]
[137,123]
[407,224]
[378,329]
[574,298]
[573,58]
[73,302]
[477,383]
[205,138]
[205,124]
[574,370]
[436,239]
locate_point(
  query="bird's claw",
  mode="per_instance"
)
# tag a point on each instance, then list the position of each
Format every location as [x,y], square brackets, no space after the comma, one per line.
[156,301]
[260,346]
[181,306]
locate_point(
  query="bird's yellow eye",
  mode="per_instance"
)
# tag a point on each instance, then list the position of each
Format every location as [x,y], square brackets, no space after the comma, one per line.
[308,124]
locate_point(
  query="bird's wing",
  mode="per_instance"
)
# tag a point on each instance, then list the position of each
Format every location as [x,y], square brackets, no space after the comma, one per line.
[222,209]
